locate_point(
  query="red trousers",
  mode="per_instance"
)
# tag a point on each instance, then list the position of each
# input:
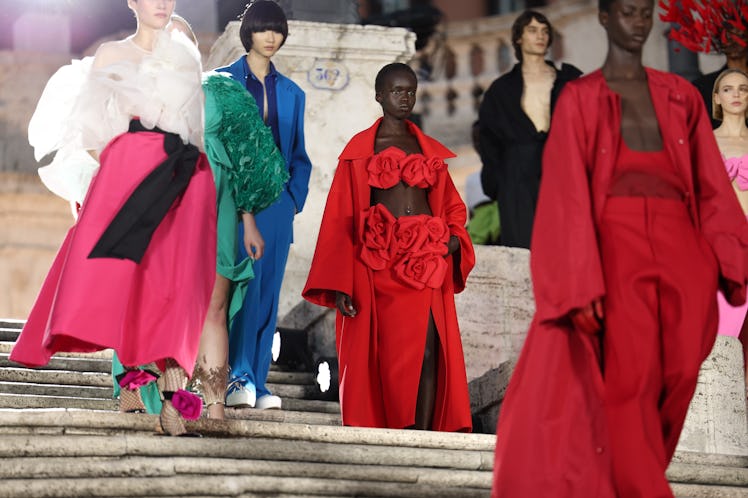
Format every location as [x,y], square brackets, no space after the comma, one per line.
[660,324]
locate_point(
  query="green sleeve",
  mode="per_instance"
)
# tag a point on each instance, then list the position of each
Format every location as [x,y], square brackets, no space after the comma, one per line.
[256,170]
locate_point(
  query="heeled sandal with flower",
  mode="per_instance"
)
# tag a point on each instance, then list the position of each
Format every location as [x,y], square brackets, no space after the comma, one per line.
[130,382]
[179,406]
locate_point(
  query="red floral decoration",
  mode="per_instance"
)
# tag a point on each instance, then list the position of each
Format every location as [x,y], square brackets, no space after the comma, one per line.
[388,167]
[706,25]
[134,379]
[376,230]
[418,171]
[420,270]
[384,168]
[188,404]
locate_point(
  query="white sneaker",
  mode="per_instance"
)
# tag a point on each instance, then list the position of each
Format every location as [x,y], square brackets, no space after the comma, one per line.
[268,402]
[238,396]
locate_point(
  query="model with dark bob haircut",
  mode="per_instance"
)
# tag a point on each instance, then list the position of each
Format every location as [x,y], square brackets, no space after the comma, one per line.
[521,23]
[384,73]
[281,105]
[259,16]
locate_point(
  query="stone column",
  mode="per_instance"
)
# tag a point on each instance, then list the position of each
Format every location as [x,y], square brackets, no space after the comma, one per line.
[335,64]
[336,11]
[716,420]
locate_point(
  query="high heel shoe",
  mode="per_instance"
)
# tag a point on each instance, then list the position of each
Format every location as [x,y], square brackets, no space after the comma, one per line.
[179,406]
[130,382]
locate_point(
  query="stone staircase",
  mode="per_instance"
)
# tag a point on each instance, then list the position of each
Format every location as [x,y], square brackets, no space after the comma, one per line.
[61,436]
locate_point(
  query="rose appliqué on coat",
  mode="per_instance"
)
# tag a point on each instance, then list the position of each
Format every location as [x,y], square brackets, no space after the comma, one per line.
[384,168]
[376,230]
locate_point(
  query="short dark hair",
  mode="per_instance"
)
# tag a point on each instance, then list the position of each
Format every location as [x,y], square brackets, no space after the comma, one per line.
[260,16]
[521,23]
[389,69]
[604,5]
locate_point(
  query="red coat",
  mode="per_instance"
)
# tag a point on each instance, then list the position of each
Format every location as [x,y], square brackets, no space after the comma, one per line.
[336,266]
[552,431]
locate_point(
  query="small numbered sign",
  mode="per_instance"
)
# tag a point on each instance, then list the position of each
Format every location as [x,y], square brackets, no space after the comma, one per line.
[328,74]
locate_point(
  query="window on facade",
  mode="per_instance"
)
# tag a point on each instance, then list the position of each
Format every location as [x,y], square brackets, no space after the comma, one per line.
[394,5]
[497,7]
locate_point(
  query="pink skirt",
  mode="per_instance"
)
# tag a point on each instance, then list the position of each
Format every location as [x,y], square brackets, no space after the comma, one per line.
[147,311]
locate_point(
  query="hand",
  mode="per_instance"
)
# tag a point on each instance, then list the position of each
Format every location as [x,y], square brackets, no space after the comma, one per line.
[253,241]
[344,304]
[588,320]
[453,245]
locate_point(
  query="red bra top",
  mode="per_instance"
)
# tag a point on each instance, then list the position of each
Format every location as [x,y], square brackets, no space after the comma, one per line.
[391,165]
[645,174]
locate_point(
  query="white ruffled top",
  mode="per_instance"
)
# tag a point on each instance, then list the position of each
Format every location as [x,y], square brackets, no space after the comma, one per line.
[84,107]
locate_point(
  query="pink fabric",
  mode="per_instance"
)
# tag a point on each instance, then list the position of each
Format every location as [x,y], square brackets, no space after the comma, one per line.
[731,317]
[146,312]
[737,169]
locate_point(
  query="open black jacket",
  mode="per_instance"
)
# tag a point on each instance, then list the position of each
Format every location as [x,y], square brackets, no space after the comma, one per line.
[511,149]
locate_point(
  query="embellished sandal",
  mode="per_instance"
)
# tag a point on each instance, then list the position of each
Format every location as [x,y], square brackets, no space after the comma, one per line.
[179,406]
[130,382]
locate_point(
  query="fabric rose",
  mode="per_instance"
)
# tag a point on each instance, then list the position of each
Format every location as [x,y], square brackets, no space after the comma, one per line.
[384,168]
[376,237]
[189,405]
[419,171]
[410,233]
[135,379]
[420,270]
[438,235]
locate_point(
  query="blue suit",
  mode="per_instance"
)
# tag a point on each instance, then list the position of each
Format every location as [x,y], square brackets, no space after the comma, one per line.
[251,333]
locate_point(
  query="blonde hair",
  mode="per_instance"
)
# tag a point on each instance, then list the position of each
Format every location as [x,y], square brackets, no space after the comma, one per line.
[717,108]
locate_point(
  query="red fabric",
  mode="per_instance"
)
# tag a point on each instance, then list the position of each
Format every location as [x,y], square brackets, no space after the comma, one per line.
[391,165]
[552,433]
[645,174]
[660,324]
[379,366]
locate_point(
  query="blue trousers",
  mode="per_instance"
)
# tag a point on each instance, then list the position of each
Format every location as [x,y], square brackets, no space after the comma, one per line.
[252,330]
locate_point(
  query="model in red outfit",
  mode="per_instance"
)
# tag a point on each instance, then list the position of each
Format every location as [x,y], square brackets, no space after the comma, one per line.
[622,275]
[386,199]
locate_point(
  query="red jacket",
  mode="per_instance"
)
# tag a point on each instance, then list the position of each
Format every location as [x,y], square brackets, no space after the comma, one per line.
[336,266]
[552,434]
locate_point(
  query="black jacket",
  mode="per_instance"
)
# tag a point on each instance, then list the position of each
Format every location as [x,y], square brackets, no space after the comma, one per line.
[705,85]
[511,150]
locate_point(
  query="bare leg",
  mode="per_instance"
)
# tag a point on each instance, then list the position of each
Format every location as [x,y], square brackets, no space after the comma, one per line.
[212,370]
[427,384]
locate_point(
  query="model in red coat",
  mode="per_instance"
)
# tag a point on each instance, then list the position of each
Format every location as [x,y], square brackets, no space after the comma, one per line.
[391,253]
[636,227]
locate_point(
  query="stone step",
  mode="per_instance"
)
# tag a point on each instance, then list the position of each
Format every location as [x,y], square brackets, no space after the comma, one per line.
[68,363]
[52,378]
[101,363]
[126,423]
[706,491]
[55,390]
[319,412]
[11,323]
[101,467]
[234,485]
[7,345]
[256,448]
[62,377]
[8,334]
[23,401]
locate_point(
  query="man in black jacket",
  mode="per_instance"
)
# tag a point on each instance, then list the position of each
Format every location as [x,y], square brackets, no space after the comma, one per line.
[515,116]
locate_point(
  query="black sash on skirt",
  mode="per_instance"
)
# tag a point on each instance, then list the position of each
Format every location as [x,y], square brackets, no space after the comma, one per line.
[130,232]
